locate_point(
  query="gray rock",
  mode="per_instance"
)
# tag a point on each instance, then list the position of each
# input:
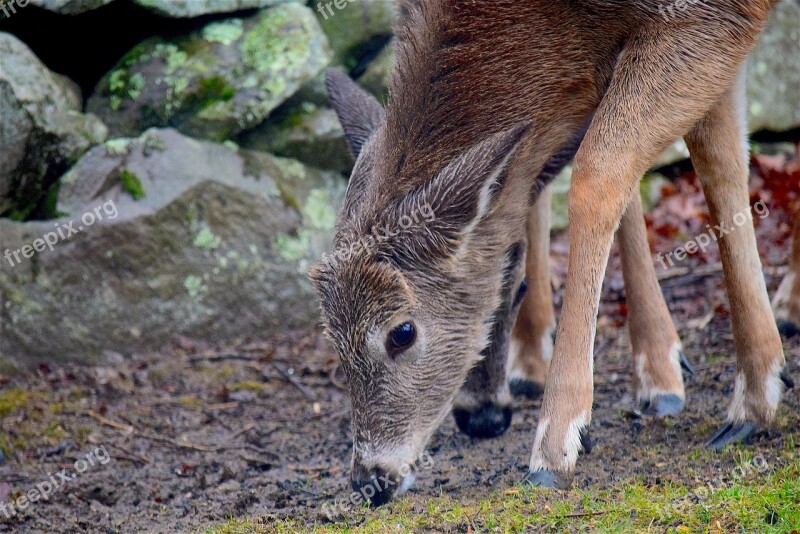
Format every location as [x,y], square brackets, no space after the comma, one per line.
[70,7]
[773,72]
[195,8]
[307,133]
[216,82]
[42,130]
[352,25]
[773,79]
[216,247]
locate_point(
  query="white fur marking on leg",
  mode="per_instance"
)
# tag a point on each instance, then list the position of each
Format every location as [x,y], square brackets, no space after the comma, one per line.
[780,303]
[537,460]
[647,391]
[737,413]
[773,385]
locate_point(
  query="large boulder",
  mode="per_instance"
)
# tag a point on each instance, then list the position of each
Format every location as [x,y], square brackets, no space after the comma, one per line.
[773,72]
[195,8]
[216,82]
[69,7]
[42,130]
[305,132]
[164,235]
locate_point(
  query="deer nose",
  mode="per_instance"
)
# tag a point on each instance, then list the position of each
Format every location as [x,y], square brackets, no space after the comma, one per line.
[488,421]
[375,485]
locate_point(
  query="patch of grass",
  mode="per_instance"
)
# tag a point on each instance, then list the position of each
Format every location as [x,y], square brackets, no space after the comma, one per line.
[11,400]
[766,502]
[131,184]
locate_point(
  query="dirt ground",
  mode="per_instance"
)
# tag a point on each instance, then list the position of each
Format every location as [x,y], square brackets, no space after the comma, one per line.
[196,434]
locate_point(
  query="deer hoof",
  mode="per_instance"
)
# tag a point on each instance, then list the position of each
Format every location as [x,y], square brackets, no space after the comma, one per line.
[733,433]
[526,388]
[788,329]
[488,421]
[661,405]
[544,478]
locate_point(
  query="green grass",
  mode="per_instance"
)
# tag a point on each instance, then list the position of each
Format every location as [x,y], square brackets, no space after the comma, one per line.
[763,501]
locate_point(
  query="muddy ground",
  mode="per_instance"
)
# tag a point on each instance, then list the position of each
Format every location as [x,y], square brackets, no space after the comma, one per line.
[196,434]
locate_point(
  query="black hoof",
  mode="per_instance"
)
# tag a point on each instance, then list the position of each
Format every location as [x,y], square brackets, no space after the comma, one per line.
[685,365]
[526,388]
[786,379]
[488,421]
[544,478]
[733,433]
[586,441]
[788,329]
[661,406]
[376,486]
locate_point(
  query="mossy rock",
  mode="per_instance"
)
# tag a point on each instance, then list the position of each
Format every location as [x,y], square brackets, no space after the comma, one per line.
[216,82]
[196,8]
[354,25]
[218,247]
[42,130]
[305,132]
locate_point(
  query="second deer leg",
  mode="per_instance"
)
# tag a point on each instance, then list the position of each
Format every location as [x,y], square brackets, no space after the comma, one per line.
[786,304]
[531,344]
[719,156]
[657,351]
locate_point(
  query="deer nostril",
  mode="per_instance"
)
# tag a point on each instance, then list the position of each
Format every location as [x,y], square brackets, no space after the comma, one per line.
[488,421]
[375,485]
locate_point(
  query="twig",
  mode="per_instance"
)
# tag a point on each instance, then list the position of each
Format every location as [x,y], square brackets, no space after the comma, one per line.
[698,272]
[248,427]
[217,357]
[584,514]
[131,455]
[307,468]
[307,393]
[106,421]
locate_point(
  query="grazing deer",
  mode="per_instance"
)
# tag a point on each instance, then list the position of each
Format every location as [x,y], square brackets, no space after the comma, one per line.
[488,101]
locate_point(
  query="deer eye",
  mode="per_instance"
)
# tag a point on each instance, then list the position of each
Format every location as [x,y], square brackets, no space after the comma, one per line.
[400,338]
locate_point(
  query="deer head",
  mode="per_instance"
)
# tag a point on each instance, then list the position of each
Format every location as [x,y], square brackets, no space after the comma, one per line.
[410,294]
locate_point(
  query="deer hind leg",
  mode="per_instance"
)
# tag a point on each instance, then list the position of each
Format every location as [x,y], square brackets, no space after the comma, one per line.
[531,344]
[786,303]
[657,352]
[717,145]
[482,408]
[644,109]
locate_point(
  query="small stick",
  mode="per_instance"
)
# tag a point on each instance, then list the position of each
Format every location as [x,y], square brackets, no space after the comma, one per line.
[106,421]
[294,381]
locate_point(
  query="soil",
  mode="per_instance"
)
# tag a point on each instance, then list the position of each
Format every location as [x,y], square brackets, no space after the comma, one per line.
[196,434]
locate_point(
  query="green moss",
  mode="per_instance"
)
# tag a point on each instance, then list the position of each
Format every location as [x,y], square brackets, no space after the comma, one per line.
[209,92]
[51,202]
[224,32]
[276,43]
[12,400]
[131,184]
[318,211]
[294,249]
[247,385]
[206,239]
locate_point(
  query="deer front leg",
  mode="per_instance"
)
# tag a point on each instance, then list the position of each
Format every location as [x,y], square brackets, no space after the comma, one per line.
[531,346]
[718,150]
[482,408]
[644,109]
[657,354]
[786,303]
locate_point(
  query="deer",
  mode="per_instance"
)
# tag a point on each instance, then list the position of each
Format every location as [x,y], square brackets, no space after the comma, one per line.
[487,103]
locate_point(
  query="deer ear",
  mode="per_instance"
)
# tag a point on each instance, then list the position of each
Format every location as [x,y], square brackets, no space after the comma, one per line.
[359,112]
[466,190]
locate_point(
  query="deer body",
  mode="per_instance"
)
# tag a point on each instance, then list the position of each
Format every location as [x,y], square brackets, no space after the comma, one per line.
[488,101]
